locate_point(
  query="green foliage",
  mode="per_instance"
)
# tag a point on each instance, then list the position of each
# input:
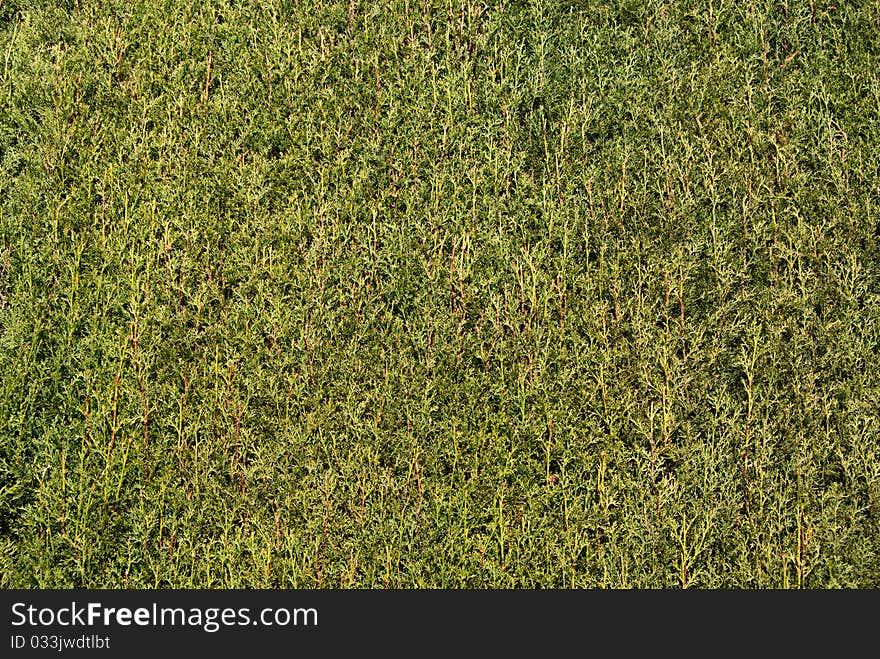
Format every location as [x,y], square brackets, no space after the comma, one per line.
[432,293]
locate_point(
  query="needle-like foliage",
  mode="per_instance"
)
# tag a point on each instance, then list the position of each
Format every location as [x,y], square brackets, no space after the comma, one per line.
[440,293]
